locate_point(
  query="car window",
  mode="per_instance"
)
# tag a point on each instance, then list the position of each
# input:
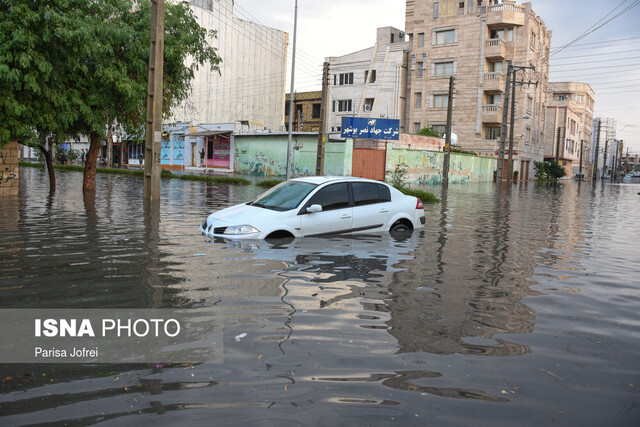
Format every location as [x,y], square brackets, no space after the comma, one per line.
[284,196]
[385,194]
[334,196]
[365,193]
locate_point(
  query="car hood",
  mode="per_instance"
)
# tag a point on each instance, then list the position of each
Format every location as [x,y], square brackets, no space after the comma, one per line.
[243,214]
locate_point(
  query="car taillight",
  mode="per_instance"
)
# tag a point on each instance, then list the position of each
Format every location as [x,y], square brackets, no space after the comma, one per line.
[419,204]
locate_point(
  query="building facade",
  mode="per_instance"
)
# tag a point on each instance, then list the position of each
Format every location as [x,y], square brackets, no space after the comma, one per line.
[370,82]
[250,87]
[306,107]
[604,134]
[474,41]
[568,126]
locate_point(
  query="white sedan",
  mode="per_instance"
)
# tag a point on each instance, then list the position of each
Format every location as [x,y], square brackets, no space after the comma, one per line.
[315,206]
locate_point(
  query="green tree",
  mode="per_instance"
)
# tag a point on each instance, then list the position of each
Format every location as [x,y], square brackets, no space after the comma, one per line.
[548,171]
[71,67]
[428,131]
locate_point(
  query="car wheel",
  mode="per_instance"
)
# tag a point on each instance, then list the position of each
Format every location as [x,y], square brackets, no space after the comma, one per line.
[400,227]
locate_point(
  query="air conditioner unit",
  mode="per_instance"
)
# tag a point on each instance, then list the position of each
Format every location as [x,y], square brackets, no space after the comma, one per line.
[401,35]
[367,107]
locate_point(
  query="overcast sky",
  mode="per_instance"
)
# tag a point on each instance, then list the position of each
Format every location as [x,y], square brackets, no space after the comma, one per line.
[337,27]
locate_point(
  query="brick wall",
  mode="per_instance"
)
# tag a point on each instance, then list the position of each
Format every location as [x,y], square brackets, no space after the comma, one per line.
[9,169]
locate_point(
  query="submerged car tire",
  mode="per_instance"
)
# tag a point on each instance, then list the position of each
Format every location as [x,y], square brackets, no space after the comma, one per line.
[400,227]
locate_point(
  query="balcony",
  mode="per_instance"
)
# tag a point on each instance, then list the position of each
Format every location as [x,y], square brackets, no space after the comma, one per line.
[495,82]
[505,14]
[495,49]
[492,114]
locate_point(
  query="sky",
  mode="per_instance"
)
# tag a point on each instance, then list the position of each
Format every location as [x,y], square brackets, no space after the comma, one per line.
[608,58]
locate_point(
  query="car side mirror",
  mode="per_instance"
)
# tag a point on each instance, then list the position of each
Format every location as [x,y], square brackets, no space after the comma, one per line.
[314,209]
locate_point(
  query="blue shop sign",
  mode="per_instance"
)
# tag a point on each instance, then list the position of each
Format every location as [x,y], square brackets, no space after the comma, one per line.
[363,128]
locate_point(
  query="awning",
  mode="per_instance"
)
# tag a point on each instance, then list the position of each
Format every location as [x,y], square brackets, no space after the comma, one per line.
[209,133]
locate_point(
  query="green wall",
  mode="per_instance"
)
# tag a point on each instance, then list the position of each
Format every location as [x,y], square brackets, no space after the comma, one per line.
[425,167]
[266,155]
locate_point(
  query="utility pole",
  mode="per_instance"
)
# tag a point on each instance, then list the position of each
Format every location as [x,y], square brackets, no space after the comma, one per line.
[447,142]
[604,160]
[323,119]
[511,127]
[503,128]
[595,170]
[558,143]
[153,126]
[581,148]
[291,95]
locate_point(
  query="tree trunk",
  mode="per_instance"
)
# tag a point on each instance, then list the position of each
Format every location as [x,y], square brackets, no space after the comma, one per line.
[49,161]
[109,148]
[89,183]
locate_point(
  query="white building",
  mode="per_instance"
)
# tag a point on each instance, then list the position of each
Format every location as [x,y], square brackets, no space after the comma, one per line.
[250,88]
[603,144]
[368,83]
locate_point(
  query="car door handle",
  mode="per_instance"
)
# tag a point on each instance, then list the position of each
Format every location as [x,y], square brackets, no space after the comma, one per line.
[383,210]
[345,216]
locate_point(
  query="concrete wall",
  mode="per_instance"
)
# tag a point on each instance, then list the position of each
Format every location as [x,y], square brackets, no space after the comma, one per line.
[9,174]
[265,155]
[425,167]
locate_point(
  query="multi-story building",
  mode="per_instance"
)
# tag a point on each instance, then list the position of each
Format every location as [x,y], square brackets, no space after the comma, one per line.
[567,128]
[474,41]
[250,87]
[368,83]
[306,107]
[604,134]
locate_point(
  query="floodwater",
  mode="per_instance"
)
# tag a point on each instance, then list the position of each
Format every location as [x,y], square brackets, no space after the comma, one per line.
[510,307]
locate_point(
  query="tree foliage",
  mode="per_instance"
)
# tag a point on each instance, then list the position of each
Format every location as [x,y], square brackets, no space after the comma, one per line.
[428,131]
[72,67]
[548,171]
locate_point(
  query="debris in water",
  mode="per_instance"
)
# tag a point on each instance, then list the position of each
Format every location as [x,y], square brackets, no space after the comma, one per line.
[239,337]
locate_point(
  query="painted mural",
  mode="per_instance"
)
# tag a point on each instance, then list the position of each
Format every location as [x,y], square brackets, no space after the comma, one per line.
[165,151]
[425,167]
[178,149]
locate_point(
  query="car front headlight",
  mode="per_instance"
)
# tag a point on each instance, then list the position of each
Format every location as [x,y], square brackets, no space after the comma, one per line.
[241,229]
[204,223]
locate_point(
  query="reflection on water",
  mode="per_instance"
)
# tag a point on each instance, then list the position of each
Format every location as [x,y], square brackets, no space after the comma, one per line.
[366,330]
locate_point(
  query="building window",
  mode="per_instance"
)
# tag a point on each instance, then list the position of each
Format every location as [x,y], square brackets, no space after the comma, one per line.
[443,68]
[344,105]
[416,127]
[420,39]
[373,76]
[366,75]
[393,36]
[440,129]
[494,99]
[440,101]
[533,41]
[445,37]
[496,67]
[368,104]
[333,106]
[581,99]
[563,97]
[419,65]
[492,132]
[436,10]
[504,33]
[316,111]
[529,104]
[418,100]
[346,79]
[461,7]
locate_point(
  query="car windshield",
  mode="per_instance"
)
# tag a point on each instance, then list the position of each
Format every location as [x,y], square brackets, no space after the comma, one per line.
[284,196]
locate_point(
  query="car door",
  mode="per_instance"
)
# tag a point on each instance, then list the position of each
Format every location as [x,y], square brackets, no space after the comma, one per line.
[371,205]
[336,216]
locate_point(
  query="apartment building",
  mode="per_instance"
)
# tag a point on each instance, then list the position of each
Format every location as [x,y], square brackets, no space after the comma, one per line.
[306,107]
[370,82]
[474,41]
[604,135]
[568,126]
[250,87]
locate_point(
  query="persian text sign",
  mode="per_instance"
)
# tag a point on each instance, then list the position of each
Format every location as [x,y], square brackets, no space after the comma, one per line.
[357,127]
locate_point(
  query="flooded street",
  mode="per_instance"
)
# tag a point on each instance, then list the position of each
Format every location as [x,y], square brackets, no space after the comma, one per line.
[520,306]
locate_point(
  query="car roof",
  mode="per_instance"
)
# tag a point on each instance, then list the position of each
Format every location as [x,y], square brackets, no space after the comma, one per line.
[318,180]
